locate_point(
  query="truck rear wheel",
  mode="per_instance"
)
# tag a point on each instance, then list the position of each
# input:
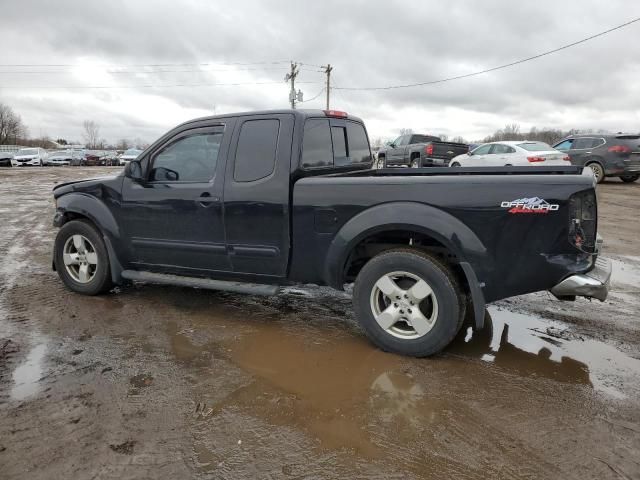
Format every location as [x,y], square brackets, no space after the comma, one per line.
[408,302]
[81,258]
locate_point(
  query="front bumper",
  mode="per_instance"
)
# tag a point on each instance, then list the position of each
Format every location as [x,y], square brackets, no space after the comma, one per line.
[593,284]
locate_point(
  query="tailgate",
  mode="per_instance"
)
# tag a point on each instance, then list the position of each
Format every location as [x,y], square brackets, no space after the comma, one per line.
[448,150]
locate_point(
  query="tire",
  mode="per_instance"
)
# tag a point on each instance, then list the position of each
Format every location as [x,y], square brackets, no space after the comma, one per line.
[598,171]
[629,178]
[415,163]
[455,164]
[382,162]
[406,330]
[88,272]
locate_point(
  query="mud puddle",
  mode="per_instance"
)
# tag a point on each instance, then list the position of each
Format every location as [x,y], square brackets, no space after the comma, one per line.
[625,272]
[342,392]
[533,346]
[27,374]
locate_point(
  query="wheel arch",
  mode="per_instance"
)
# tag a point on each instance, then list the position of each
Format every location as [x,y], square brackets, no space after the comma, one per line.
[396,223]
[80,206]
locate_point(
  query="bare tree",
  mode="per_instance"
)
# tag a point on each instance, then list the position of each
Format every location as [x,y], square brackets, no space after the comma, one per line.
[458,139]
[123,144]
[406,131]
[11,126]
[91,133]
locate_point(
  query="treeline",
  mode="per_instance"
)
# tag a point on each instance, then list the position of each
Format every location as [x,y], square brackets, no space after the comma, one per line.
[13,131]
[546,135]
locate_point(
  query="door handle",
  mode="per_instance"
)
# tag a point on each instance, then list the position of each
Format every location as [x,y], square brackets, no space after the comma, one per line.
[206,199]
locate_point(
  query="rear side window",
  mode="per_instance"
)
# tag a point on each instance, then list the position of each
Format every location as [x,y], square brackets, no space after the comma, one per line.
[358,143]
[316,144]
[581,143]
[256,153]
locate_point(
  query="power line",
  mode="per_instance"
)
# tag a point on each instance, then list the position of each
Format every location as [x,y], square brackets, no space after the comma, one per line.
[150,86]
[140,64]
[47,72]
[500,67]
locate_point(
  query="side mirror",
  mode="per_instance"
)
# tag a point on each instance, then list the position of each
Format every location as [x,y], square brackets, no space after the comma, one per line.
[469,153]
[392,145]
[133,170]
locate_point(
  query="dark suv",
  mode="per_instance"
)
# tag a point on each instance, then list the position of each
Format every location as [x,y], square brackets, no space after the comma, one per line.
[609,155]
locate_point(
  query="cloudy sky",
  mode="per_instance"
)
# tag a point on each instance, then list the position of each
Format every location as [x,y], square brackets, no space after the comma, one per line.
[166,62]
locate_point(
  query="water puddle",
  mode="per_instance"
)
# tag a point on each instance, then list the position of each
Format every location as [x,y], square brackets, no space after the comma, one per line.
[533,346]
[313,374]
[626,271]
[28,373]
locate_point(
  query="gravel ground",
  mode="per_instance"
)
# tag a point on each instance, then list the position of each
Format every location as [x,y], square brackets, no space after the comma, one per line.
[162,382]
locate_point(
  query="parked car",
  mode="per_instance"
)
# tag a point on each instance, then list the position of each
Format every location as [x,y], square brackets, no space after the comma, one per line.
[419,151]
[129,155]
[248,202]
[610,155]
[5,159]
[63,157]
[511,153]
[30,156]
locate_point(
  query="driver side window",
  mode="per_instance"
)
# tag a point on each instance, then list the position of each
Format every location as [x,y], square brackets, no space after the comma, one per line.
[188,159]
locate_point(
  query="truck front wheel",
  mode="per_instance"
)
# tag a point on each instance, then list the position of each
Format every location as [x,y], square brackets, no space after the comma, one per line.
[81,258]
[408,302]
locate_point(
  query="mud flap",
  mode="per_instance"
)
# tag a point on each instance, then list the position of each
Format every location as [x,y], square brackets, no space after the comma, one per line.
[477,297]
[114,264]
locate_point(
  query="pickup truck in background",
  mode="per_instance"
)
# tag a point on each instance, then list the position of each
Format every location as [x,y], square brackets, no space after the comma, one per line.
[249,202]
[419,151]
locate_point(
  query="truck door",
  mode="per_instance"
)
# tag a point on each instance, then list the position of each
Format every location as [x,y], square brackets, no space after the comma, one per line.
[256,194]
[173,217]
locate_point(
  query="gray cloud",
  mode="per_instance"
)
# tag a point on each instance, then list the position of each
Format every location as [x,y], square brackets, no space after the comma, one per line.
[593,85]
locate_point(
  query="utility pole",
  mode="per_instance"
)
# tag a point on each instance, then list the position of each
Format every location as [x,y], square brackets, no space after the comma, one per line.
[292,77]
[327,70]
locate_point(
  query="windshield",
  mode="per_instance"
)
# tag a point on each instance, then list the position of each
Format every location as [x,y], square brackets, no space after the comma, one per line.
[132,152]
[535,146]
[28,151]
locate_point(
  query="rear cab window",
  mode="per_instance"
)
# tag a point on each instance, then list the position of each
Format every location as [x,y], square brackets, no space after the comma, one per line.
[338,144]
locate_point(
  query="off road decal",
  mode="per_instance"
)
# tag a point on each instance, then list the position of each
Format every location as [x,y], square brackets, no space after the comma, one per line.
[530,205]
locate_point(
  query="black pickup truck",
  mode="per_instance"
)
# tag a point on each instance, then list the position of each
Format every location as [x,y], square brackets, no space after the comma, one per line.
[250,202]
[419,151]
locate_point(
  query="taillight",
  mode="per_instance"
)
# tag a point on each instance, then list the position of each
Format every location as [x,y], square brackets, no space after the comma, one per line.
[567,158]
[619,149]
[429,149]
[535,159]
[583,221]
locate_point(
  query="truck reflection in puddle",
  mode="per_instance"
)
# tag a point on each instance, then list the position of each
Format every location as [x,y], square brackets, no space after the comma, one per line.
[533,346]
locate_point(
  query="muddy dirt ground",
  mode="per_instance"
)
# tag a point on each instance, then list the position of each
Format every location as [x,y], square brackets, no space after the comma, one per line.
[161,382]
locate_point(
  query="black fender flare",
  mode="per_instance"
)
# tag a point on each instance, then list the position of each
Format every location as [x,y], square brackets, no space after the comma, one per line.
[99,214]
[413,217]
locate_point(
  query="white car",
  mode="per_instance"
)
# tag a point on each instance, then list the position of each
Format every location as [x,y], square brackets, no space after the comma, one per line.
[30,156]
[511,153]
[60,158]
[129,155]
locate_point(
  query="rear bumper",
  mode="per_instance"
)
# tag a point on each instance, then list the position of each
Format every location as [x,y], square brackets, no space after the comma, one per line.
[593,284]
